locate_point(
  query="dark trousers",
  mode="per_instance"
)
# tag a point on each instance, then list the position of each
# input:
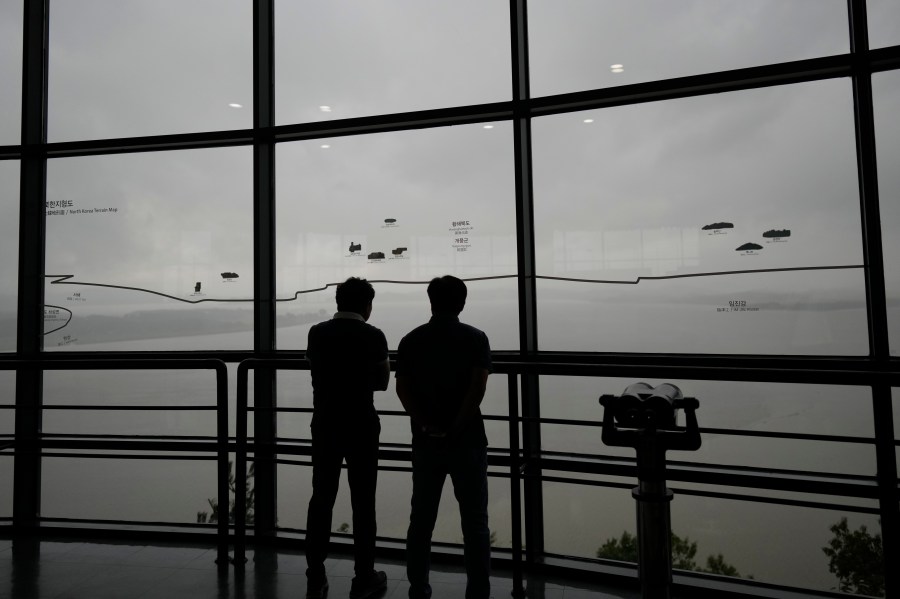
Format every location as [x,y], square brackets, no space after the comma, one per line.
[331,445]
[466,463]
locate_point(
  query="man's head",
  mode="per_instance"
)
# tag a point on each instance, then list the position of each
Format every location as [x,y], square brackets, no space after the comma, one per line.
[355,295]
[447,295]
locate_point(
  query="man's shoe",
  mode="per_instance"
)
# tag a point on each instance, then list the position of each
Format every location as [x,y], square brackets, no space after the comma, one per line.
[317,589]
[367,585]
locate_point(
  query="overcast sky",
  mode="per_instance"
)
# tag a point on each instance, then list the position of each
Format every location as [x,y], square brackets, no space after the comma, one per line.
[622,196]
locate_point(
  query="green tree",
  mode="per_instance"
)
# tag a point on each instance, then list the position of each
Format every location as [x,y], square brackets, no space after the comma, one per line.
[623,549]
[684,553]
[856,557]
[249,494]
[716,564]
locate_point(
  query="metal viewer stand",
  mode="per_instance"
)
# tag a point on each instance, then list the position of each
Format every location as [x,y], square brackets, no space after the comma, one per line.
[644,418]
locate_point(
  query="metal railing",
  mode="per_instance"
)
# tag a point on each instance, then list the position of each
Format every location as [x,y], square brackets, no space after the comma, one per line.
[138,443]
[510,462]
[521,467]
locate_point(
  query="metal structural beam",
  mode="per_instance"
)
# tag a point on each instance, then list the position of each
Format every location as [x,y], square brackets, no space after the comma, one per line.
[30,317]
[264,392]
[876,296]
[528,344]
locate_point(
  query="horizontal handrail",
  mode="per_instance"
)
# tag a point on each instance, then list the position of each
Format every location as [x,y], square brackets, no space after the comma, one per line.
[141,408]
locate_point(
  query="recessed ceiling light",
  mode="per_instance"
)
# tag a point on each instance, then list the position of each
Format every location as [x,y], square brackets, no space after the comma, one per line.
[617,68]
[235,105]
[325,108]
[324,146]
[588,120]
[488,126]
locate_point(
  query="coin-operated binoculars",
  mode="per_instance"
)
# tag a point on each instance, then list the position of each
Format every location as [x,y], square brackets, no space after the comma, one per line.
[645,418]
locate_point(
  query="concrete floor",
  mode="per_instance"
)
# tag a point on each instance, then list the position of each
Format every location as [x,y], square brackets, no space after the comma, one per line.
[83,570]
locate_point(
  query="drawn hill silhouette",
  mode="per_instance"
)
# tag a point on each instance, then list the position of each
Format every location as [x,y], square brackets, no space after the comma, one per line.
[713,226]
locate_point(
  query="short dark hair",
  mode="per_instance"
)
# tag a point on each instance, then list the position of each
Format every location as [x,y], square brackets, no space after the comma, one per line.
[354,295]
[447,294]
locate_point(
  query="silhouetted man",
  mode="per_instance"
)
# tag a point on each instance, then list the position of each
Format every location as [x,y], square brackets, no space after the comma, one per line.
[349,361]
[442,371]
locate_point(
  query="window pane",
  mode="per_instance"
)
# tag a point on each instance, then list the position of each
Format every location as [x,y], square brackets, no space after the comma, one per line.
[7,431]
[173,388]
[10,71]
[742,407]
[9,253]
[120,69]
[121,489]
[6,483]
[392,505]
[772,543]
[398,209]
[886,96]
[295,391]
[769,543]
[578,518]
[710,194]
[358,58]
[150,251]
[884,23]
[582,44]
[7,403]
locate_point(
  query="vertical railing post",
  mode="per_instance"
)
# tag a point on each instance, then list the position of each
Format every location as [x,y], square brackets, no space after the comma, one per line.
[222,454]
[515,486]
[876,295]
[240,467]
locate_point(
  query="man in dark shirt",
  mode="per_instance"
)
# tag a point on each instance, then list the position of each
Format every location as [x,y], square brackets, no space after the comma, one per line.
[349,361]
[442,370]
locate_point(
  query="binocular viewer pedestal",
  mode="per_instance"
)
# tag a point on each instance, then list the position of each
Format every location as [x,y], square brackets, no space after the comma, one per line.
[645,418]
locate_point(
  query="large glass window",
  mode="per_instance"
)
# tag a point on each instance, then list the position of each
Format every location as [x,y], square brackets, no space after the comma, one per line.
[884,23]
[582,44]
[150,251]
[358,58]
[398,209]
[886,94]
[9,253]
[679,226]
[10,71]
[121,69]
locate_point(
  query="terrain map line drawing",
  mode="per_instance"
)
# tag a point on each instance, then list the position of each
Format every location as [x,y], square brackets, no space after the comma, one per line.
[69,280]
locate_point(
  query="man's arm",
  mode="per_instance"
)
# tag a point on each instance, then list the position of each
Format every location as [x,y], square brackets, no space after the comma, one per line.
[381,375]
[471,400]
[407,395]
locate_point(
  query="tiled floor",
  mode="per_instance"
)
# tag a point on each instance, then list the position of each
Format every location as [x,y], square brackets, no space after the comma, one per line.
[78,570]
